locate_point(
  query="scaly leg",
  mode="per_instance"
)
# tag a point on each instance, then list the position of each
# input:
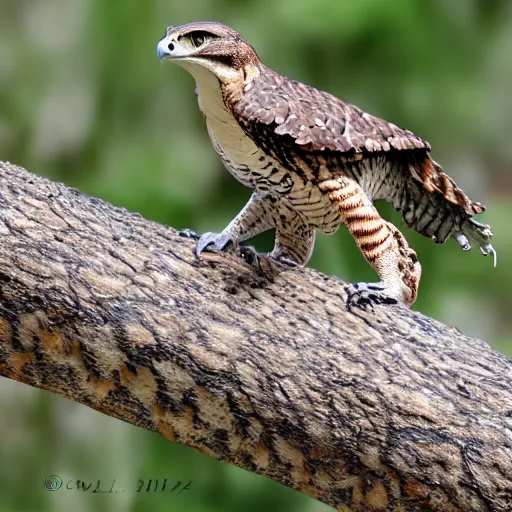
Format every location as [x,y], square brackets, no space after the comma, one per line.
[256,217]
[294,238]
[381,243]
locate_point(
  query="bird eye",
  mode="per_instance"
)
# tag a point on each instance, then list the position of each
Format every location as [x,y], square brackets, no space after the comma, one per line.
[197,39]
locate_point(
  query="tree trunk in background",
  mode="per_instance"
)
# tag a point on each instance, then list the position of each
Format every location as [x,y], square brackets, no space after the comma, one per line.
[366,410]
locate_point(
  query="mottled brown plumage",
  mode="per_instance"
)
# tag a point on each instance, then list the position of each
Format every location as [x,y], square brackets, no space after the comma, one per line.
[316,162]
[318,121]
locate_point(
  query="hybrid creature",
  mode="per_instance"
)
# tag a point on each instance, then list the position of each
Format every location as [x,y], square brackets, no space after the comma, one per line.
[315,162]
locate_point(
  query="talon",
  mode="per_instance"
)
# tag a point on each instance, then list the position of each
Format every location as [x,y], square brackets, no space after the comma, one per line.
[463,242]
[489,249]
[479,234]
[218,240]
[368,294]
[494,255]
[284,259]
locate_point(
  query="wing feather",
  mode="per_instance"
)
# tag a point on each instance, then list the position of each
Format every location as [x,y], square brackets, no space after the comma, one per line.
[318,121]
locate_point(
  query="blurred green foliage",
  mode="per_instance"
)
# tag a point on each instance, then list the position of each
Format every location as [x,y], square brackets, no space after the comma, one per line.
[83,100]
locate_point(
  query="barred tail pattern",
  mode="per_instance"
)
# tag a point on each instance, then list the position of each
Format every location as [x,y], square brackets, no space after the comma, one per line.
[430,202]
[433,178]
[441,214]
[429,214]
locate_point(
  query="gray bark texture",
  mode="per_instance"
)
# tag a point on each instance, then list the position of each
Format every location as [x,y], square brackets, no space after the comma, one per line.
[365,410]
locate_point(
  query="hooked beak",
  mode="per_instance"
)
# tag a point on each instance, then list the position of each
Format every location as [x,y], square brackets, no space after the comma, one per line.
[170,48]
[164,49]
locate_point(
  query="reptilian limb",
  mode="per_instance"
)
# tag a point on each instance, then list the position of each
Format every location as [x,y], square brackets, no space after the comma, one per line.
[294,238]
[381,243]
[255,217]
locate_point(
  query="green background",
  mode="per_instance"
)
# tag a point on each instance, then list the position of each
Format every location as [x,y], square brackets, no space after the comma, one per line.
[84,101]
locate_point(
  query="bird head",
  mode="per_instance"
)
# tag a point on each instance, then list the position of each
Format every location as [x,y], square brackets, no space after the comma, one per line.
[210,45]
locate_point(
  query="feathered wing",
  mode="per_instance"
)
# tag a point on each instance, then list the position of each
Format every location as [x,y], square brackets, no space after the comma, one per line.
[318,121]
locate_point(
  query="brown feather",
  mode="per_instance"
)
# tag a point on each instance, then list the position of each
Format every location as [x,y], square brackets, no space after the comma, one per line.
[432,176]
[317,121]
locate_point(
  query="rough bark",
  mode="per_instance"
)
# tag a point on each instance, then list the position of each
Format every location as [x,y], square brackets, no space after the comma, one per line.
[382,410]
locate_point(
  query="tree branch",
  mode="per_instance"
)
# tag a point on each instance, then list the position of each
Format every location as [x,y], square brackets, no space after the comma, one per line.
[364,410]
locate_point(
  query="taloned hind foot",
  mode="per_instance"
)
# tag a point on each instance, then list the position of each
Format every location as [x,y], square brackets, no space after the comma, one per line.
[367,294]
[476,233]
[391,290]
[219,241]
[294,242]
[381,243]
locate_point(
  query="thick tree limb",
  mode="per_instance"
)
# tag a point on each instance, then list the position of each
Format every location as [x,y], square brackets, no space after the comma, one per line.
[376,410]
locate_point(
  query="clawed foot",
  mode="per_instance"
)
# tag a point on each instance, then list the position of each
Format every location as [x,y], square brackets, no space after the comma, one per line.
[221,242]
[283,260]
[217,240]
[368,294]
[479,234]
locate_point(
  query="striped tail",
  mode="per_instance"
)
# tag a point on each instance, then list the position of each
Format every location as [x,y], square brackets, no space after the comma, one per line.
[434,179]
[435,207]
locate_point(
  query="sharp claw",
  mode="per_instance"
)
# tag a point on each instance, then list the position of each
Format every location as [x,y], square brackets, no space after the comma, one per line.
[218,240]
[489,249]
[368,294]
[283,258]
[480,234]
[289,262]
[202,244]
[463,242]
